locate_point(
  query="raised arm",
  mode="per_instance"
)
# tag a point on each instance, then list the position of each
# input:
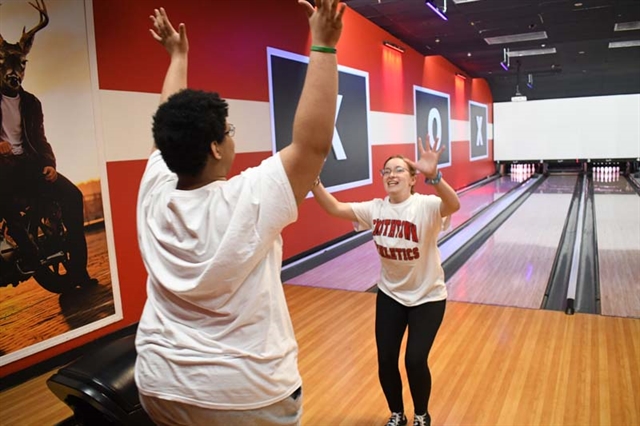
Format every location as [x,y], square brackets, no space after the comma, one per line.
[177,46]
[331,205]
[428,166]
[314,120]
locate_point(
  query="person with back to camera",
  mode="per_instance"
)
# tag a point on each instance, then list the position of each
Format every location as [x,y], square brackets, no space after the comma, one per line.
[215,342]
[412,292]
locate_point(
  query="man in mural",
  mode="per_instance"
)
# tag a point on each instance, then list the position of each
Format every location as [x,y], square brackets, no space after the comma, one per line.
[215,342]
[27,161]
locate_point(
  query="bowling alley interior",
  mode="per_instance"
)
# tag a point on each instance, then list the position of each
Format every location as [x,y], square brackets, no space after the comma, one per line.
[532,105]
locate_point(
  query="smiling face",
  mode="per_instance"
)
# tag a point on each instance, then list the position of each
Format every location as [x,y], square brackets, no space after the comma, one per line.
[398,178]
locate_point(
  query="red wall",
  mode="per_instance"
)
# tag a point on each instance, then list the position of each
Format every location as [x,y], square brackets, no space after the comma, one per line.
[228,41]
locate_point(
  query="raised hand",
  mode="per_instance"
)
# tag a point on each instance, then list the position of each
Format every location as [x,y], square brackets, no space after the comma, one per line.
[325,21]
[175,42]
[427,164]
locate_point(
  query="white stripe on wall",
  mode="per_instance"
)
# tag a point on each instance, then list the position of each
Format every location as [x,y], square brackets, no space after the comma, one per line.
[126,124]
[391,129]
[127,120]
[387,128]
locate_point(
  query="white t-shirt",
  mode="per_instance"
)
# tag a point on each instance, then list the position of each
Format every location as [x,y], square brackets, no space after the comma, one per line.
[11,129]
[406,237]
[215,331]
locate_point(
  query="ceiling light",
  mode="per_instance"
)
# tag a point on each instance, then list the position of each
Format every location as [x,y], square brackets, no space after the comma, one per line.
[539,35]
[629,43]
[393,46]
[469,54]
[577,4]
[531,52]
[460,75]
[435,8]
[464,1]
[581,52]
[627,26]
[505,59]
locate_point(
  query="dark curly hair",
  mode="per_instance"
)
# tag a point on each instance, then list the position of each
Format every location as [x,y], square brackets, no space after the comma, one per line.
[184,127]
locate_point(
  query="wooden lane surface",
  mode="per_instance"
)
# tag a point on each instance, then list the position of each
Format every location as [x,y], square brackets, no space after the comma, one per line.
[476,199]
[30,314]
[359,268]
[356,270]
[513,266]
[491,365]
[618,230]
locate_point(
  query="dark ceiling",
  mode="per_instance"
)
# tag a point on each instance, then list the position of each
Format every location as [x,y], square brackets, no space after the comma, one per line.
[579,30]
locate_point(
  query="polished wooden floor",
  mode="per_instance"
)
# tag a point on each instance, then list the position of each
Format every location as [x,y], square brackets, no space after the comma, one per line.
[491,365]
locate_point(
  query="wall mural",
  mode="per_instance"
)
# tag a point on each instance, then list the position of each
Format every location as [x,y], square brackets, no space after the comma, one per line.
[56,267]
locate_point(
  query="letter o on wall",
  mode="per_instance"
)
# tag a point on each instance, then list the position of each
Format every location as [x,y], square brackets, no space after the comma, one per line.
[434,115]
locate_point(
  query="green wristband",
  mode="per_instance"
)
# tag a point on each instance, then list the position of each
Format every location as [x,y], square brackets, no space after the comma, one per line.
[323,49]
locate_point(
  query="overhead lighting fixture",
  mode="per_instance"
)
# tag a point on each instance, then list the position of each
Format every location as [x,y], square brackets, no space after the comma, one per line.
[464,1]
[627,26]
[619,44]
[460,75]
[531,52]
[505,59]
[515,38]
[393,46]
[435,8]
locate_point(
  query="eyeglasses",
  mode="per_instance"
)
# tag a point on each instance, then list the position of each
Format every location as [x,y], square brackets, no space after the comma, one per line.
[396,170]
[231,131]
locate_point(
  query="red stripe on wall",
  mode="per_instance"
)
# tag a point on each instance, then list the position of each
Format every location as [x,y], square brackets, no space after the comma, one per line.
[227,44]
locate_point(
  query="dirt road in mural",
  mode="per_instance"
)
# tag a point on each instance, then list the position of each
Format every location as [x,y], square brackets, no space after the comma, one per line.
[30,314]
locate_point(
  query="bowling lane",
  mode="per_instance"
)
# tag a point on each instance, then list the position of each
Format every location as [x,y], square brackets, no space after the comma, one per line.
[359,268]
[513,266]
[474,200]
[617,215]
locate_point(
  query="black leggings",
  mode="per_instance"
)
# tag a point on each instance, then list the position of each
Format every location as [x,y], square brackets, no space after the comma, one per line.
[392,319]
